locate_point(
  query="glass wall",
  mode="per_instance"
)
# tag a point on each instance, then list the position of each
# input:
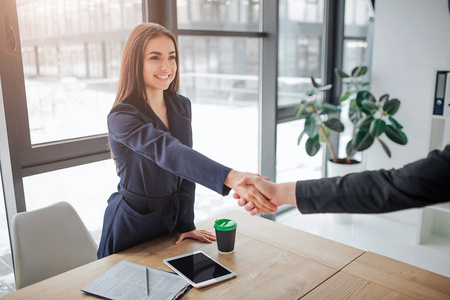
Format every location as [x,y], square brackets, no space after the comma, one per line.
[358,29]
[293,163]
[224,113]
[71,57]
[299,48]
[299,57]
[227,15]
[219,74]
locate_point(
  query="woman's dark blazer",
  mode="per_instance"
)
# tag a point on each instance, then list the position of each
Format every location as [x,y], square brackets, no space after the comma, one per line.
[157,168]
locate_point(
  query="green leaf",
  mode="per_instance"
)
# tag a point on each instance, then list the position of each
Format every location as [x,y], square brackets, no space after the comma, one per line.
[364,84]
[395,123]
[334,124]
[340,74]
[299,110]
[364,122]
[345,96]
[363,140]
[312,146]
[353,103]
[310,93]
[384,98]
[311,125]
[364,95]
[359,71]
[369,106]
[355,71]
[350,149]
[314,83]
[325,87]
[300,137]
[396,135]
[391,106]
[377,127]
[385,147]
[323,137]
[330,107]
[354,114]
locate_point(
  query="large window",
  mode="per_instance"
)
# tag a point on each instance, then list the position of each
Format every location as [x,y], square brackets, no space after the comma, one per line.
[230,15]
[220,76]
[293,163]
[300,56]
[358,30]
[71,53]
[219,73]
[299,48]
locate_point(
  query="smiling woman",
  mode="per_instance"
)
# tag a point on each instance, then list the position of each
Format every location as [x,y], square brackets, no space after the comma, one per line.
[150,136]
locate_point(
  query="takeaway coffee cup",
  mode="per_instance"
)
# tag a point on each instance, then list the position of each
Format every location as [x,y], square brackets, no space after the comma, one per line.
[226,235]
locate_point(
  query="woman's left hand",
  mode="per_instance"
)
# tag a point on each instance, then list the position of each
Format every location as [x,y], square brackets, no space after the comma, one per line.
[201,235]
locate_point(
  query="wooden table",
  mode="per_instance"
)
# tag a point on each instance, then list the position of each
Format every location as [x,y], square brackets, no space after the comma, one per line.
[272,261]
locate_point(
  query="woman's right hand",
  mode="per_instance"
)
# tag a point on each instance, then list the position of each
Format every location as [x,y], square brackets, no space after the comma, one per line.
[249,192]
[278,194]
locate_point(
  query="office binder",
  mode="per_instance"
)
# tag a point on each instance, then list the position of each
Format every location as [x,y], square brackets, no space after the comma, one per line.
[442,94]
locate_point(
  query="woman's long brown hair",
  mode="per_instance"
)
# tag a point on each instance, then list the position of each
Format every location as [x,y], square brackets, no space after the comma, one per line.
[131,80]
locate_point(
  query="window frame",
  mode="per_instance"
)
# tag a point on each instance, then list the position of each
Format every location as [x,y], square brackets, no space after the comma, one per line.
[20,158]
[49,156]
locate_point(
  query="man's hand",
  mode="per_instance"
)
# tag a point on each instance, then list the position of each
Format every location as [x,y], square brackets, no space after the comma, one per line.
[249,191]
[277,194]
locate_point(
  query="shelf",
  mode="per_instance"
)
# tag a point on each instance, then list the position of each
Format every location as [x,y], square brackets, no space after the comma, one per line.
[437,243]
[444,207]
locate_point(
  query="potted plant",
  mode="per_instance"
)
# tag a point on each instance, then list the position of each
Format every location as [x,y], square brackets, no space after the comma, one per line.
[371,118]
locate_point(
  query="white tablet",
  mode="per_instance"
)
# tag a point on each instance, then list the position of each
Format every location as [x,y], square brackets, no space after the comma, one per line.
[199,269]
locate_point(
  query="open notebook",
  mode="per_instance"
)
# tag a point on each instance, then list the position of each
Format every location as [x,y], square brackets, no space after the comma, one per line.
[127,280]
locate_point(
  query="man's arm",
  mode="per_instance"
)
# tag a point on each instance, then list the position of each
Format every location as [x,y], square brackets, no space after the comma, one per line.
[418,184]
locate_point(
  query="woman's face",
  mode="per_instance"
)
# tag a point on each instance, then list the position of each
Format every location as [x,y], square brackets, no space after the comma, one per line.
[160,65]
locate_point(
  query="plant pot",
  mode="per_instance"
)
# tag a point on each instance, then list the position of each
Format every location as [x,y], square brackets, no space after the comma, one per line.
[340,169]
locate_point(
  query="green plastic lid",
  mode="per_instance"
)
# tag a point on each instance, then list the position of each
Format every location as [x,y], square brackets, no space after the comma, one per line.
[225,224]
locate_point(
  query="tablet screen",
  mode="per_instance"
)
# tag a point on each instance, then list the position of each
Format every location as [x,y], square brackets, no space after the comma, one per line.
[199,268]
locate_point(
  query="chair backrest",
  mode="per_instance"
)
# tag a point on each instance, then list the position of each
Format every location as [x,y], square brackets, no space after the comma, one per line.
[49,241]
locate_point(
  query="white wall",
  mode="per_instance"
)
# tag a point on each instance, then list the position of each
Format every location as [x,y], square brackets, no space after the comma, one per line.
[411,42]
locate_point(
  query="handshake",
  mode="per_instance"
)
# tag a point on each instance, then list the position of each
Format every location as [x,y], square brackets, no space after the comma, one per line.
[257,194]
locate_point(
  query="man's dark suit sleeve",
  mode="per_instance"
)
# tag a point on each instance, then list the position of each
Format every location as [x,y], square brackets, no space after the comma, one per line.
[418,184]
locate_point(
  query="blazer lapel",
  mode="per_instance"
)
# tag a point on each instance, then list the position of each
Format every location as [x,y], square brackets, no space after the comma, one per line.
[179,120]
